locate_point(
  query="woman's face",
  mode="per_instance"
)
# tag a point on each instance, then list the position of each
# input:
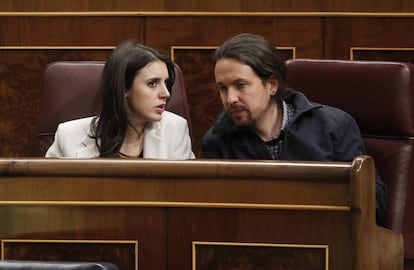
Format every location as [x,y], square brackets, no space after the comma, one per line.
[148,95]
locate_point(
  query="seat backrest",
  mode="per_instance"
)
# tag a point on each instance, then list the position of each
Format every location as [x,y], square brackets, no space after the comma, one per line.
[49,265]
[71,91]
[380,96]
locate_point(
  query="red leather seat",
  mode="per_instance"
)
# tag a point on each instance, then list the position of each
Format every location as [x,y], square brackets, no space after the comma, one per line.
[71,91]
[380,96]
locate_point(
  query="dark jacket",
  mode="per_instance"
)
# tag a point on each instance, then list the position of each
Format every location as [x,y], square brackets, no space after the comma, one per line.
[315,133]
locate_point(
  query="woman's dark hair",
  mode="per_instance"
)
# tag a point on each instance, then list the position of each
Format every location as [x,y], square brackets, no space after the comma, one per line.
[258,53]
[118,75]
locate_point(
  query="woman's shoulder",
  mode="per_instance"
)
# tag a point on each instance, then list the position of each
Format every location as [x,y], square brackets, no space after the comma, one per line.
[168,116]
[80,123]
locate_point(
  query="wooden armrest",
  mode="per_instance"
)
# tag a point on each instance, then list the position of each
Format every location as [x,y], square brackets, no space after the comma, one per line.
[390,249]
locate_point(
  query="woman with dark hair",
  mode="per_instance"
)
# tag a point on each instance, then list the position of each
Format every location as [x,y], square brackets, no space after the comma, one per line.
[136,83]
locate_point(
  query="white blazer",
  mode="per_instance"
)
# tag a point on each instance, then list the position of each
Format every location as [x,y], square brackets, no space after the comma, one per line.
[165,139]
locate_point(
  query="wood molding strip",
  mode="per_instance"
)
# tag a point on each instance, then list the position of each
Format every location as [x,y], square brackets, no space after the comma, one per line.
[179,204]
[205,14]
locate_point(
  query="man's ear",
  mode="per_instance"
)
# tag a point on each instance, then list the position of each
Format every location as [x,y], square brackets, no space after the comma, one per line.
[273,85]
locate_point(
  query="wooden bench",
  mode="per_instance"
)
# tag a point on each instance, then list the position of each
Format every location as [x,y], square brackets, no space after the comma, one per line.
[195,214]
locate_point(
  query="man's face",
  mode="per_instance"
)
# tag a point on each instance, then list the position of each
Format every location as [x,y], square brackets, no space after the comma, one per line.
[243,94]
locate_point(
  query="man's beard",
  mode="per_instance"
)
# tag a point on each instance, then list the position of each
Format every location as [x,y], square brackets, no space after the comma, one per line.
[242,119]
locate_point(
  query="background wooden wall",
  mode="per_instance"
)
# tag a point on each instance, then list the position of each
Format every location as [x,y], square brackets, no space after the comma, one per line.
[35,33]
[209,5]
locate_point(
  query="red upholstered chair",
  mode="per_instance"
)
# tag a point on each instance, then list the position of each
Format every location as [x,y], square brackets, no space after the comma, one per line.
[71,91]
[380,96]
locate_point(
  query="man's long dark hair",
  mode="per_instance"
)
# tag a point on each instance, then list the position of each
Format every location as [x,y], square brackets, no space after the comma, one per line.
[258,53]
[109,128]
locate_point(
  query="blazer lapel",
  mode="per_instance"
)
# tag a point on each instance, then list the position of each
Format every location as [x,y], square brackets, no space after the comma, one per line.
[89,150]
[153,141]
[153,147]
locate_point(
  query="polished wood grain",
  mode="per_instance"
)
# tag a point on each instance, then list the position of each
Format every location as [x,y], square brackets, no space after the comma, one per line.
[342,34]
[165,206]
[213,255]
[70,30]
[303,33]
[212,5]
[21,73]
[383,54]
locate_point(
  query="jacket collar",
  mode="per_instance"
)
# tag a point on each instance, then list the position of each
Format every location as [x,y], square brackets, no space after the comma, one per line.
[152,140]
[152,143]
[89,149]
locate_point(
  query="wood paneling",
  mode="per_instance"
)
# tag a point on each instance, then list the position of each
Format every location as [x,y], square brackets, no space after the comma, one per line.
[197,68]
[383,54]
[305,34]
[313,35]
[341,34]
[211,5]
[211,255]
[166,206]
[21,73]
[69,30]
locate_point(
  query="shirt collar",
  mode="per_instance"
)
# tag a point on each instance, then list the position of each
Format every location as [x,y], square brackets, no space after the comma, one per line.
[285,116]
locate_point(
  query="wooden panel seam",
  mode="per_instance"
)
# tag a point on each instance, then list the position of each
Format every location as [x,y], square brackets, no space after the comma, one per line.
[206,14]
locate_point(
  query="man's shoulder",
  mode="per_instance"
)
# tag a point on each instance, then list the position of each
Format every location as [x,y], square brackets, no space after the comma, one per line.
[302,104]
